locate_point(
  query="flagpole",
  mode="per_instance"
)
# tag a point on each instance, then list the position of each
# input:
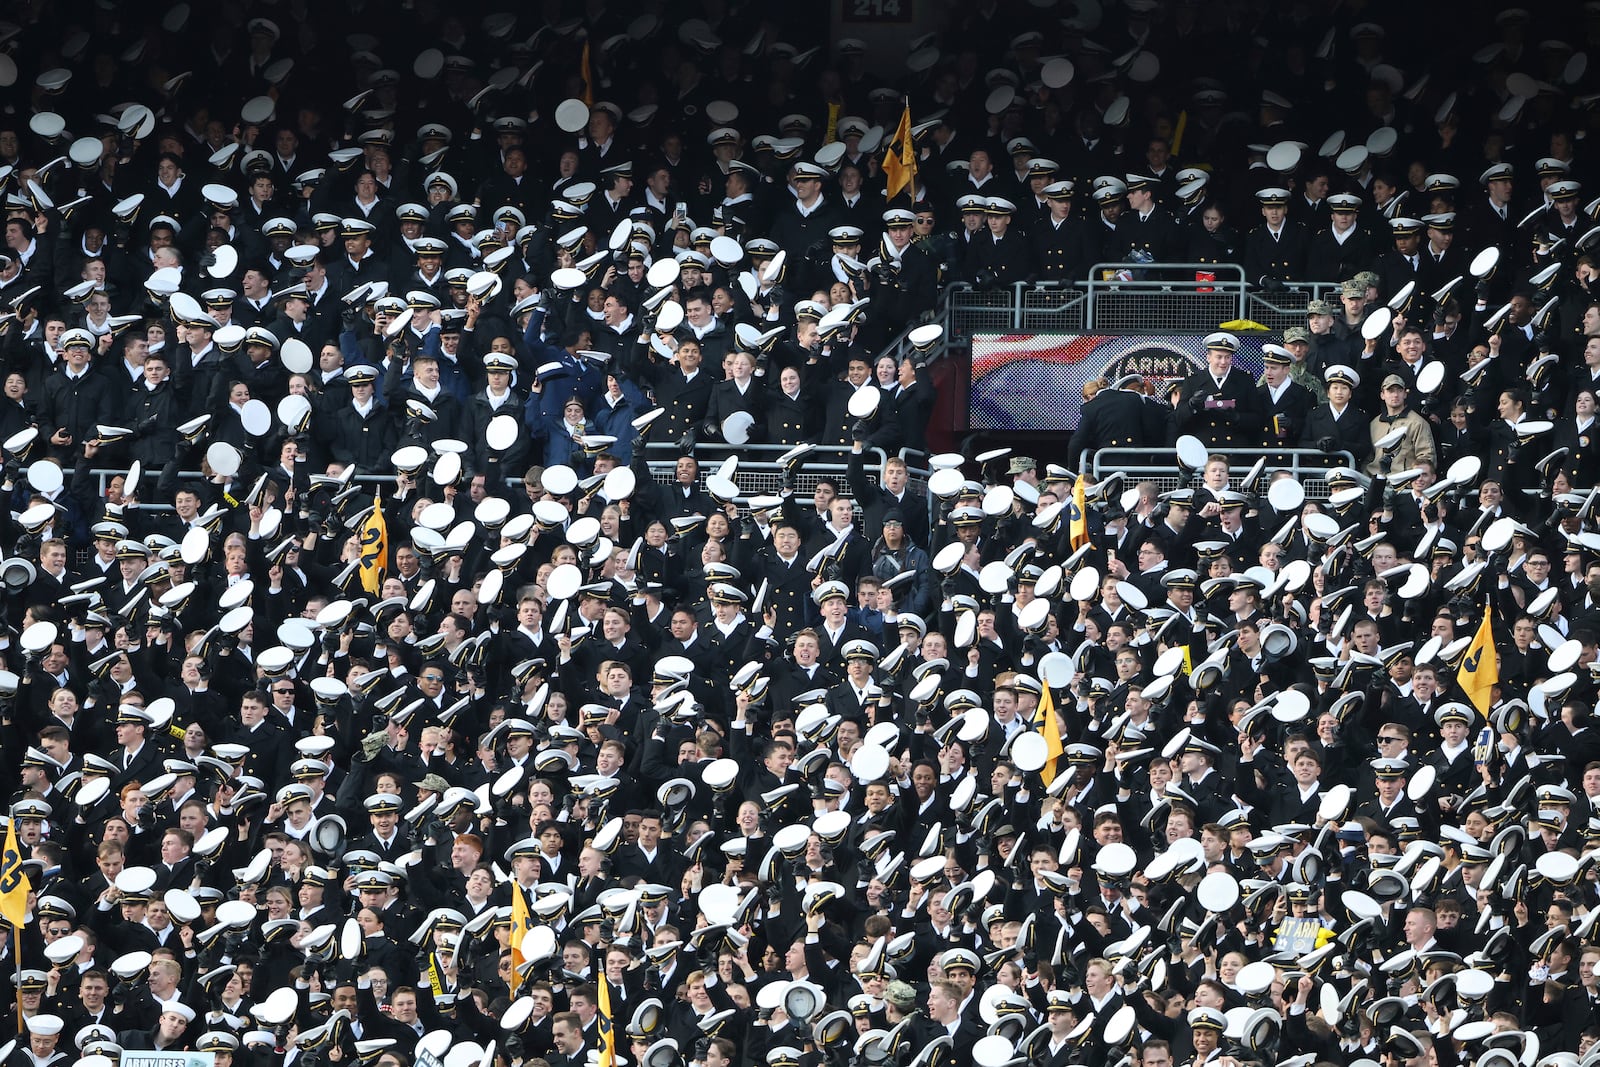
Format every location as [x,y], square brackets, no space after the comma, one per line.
[14,890]
[911,147]
[16,957]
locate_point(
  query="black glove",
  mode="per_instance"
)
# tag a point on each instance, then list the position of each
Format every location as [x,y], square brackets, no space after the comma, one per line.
[1482,289]
[1327,444]
[1386,462]
[747,527]
[791,481]
[638,443]
[1271,284]
[858,431]
[686,442]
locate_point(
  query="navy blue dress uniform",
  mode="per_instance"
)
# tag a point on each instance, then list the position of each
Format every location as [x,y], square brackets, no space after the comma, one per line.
[140,765]
[1439,266]
[483,406]
[1583,449]
[1001,259]
[728,399]
[1278,254]
[1118,417]
[906,285]
[796,228]
[152,415]
[1331,429]
[1222,411]
[788,582]
[1486,221]
[1402,263]
[1402,807]
[685,397]
[346,272]
[382,804]
[1560,193]
[406,268]
[1149,236]
[1455,772]
[73,402]
[1335,256]
[791,419]
[1062,247]
[1289,405]
[363,435]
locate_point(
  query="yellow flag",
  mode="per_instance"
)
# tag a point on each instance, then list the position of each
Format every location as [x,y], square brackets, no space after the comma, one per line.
[374,548]
[1480,670]
[1049,724]
[587,74]
[1078,516]
[608,1039]
[900,164]
[14,887]
[521,921]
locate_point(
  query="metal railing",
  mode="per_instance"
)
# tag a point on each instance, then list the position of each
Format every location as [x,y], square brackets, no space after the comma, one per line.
[759,472]
[1308,466]
[968,310]
[1286,307]
[1164,298]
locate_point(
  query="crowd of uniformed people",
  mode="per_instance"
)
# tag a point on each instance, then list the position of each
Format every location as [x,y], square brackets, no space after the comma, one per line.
[425,720]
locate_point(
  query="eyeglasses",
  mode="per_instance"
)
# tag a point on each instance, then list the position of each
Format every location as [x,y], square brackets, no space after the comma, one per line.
[1389,740]
[288,692]
[433,677]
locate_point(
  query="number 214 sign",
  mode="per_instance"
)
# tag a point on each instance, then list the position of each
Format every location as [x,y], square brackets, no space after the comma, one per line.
[877,10]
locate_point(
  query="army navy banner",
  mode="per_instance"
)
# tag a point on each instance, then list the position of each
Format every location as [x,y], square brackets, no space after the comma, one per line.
[1034,382]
